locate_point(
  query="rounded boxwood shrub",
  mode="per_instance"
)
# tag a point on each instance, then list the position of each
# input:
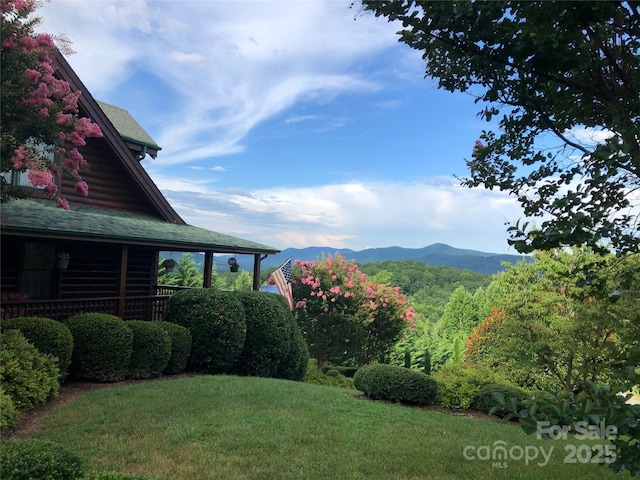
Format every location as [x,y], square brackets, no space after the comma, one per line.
[391,382]
[484,399]
[31,458]
[27,376]
[180,347]
[268,334]
[314,375]
[102,347]
[294,363]
[48,336]
[151,349]
[458,383]
[217,324]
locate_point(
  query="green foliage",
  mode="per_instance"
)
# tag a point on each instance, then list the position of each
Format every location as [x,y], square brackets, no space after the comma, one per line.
[436,282]
[218,327]
[595,406]
[344,315]
[346,371]
[562,320]
[8,413]
[390,382]
[32,459]
[186,273]
[461,314]
[293,365]
[459,383]
[244,282]
[48,336]
[268,334]
[151,349]
[529,60]
[427,362]
[316,376]
[102,347]
[486,398]
[27,376]
[407,358]
[180,347]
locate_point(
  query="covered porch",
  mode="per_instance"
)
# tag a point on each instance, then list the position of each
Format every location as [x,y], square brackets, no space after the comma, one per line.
[113,260]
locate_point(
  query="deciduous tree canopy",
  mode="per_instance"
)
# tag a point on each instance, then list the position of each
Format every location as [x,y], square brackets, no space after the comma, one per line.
[566,77]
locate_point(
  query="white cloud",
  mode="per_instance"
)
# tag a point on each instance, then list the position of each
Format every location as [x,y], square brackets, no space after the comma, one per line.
[228,66]
[351,214]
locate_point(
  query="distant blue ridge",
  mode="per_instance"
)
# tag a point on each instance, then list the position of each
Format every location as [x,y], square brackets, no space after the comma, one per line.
[436,254]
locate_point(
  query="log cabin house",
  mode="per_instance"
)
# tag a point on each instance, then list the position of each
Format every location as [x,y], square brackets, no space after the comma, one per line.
[112,237]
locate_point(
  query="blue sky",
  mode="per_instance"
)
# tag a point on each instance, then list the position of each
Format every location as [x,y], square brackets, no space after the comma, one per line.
[290,123]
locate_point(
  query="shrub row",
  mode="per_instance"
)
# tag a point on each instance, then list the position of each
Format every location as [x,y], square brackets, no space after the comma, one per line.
[48,336]
[456,386]
[44,460]
[459,386]
[331,377]
[245,333]
[27,377]
[108,349]
[390,382]
[207,331]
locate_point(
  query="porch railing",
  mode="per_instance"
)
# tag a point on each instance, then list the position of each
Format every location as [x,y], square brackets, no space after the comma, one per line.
[149,307]
[135,308]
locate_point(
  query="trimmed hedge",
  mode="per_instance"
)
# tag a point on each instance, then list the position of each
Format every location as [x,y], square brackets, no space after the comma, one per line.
[151,349]
[314,375]
[48,336]
[8,413]
[268,334]
[458,383]
[394,383]
[38,459]
[102,347]
[180,347]
[484,399]
[217,324]
[27,376]
[293,365]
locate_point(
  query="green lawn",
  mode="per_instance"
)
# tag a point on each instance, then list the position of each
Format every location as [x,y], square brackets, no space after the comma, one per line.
[222,427]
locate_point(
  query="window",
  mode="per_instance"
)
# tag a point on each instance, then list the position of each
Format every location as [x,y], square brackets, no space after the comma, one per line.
[38,270]
[17,178]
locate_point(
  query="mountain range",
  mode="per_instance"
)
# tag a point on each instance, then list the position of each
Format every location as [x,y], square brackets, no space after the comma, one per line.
[435,254]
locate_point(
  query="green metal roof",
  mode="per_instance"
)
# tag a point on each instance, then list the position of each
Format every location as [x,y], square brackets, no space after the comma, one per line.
[36,217]
[127,126]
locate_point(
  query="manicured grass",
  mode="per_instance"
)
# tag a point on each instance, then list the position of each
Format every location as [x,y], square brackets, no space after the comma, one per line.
[222,427]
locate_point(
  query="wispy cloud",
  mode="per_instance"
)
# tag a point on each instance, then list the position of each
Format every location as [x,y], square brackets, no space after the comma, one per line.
[228,69]
[351,214]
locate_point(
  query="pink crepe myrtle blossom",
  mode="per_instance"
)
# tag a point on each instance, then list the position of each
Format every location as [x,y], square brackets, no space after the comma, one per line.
[478,146]
[336,291]
[33,75]
[82,188]
[51,104]
[39,178]
[63,203]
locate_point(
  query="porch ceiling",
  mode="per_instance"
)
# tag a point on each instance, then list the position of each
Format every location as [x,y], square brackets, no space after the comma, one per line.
[41,218]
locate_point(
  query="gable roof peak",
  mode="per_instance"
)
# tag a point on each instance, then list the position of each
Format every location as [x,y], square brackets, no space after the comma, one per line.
[130,130]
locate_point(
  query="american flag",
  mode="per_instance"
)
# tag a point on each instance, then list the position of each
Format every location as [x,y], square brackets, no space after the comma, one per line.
[282,280]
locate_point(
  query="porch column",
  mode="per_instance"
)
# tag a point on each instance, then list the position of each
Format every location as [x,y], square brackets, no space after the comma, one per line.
[208,267]
[256,271]
[122,281]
